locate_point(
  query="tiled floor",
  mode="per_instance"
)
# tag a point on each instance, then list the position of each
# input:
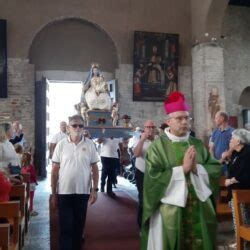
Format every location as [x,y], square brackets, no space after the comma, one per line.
[38,237]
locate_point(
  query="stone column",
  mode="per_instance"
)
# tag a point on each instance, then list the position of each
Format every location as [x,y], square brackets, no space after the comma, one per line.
[208,86]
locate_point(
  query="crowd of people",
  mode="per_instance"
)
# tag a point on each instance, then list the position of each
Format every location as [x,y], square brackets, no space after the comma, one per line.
[15,159]
[176,175]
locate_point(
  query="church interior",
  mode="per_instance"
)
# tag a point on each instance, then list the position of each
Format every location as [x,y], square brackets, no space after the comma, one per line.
[128,56]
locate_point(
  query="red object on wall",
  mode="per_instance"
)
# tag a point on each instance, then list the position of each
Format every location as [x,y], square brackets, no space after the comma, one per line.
[233,121]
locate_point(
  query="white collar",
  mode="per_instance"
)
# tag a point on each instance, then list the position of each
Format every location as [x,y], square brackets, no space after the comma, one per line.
[175,138]
[83,139]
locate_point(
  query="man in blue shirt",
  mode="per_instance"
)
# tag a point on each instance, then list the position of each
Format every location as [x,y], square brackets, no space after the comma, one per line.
[220,138]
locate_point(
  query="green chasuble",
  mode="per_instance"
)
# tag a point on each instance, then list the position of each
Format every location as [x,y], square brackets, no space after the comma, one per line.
[193,227]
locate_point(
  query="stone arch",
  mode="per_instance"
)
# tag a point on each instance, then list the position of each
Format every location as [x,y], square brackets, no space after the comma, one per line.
[72,44]
[215,18]
[207,18]
[63,50]
[244,99]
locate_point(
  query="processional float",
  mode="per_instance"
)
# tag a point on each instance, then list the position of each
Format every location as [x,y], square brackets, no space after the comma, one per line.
[100,115]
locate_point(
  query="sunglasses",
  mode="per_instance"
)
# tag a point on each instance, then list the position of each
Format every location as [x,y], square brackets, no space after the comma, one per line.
[77,125]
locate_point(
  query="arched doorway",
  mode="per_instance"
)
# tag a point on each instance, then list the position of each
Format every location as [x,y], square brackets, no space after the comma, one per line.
[64,50]
[245,103]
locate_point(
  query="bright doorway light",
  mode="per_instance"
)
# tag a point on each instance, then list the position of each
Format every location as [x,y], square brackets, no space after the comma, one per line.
[62,97]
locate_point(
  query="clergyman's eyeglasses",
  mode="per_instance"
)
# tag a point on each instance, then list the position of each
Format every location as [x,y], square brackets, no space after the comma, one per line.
[181,118]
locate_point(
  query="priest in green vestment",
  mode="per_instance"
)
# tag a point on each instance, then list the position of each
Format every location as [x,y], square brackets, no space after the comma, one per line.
[180,187]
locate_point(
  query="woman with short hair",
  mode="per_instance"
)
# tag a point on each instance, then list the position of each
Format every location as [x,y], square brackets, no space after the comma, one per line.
[239,169]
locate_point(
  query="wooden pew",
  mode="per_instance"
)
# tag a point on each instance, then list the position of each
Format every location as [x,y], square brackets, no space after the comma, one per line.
[223,211]
[26,180]
[18,193]
[4,236]
[10,211]
[242,229]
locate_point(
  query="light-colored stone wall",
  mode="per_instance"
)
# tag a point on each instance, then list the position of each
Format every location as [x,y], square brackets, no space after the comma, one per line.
[236,44]
[20,102]
[207,73]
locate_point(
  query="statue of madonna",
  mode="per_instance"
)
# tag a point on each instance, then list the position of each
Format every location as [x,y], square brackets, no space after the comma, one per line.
[95,91]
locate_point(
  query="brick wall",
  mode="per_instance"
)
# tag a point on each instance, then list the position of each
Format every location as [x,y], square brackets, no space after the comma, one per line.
[20,102]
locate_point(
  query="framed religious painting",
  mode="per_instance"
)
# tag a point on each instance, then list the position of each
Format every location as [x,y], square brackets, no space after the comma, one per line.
[155,73]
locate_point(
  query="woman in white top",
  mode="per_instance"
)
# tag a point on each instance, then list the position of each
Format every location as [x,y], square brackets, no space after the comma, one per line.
[7,151]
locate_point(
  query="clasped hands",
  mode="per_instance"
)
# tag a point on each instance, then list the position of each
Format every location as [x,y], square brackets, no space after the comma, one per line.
[189,160]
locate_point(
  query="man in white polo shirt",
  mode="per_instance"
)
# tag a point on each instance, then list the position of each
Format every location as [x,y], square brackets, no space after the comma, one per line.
[74,163]
[110,161]
[139,149]
[58,137]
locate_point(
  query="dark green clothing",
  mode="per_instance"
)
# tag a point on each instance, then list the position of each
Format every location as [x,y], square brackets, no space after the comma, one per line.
[192,227]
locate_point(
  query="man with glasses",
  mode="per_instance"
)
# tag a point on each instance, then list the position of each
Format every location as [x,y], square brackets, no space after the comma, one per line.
[139,149]
[180,181]
[74,164]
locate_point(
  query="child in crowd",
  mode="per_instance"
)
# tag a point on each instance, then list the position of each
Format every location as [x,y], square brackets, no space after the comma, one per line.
[27,167]
[19,152]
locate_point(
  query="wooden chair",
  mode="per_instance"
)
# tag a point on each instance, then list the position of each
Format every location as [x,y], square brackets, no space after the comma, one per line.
[10,211]
[242,230]
[223,211]
[26,180]
[18,193]
[4,236]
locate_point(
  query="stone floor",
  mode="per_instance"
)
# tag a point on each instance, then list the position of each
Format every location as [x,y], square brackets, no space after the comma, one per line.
[38,237]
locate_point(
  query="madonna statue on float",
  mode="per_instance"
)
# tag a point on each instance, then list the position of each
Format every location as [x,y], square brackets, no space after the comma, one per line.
[95,91]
